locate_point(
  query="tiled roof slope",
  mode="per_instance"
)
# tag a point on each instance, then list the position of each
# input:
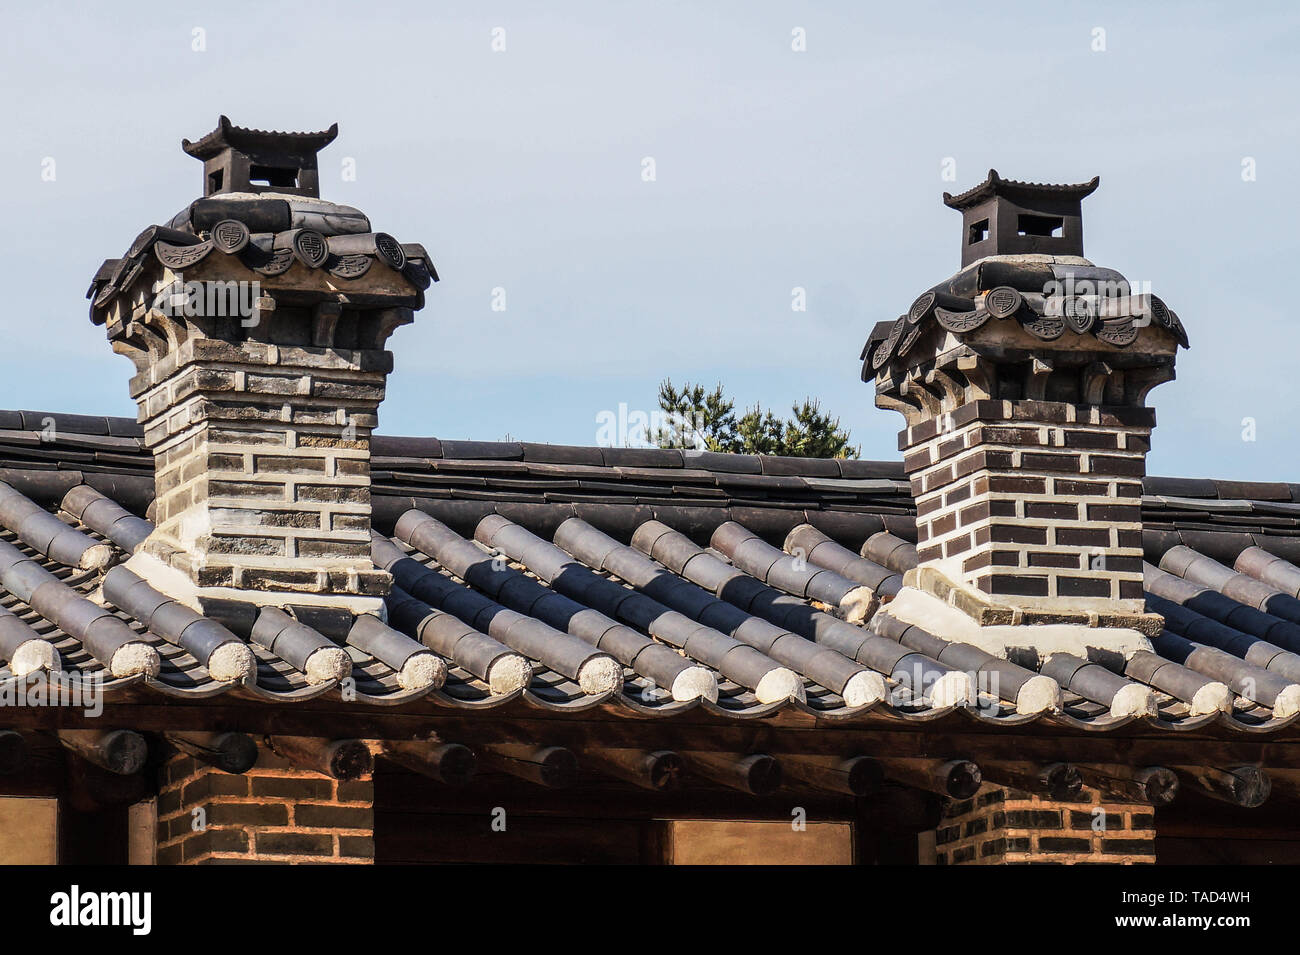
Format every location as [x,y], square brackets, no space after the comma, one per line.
[653,582]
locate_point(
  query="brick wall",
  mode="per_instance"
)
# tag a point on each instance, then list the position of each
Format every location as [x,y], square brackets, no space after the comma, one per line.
[1035,503]
[262,464]
[274,813]
[1001,826]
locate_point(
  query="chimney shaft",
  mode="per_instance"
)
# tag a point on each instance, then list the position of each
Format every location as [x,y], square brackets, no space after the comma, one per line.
[262,460]
[1035,504]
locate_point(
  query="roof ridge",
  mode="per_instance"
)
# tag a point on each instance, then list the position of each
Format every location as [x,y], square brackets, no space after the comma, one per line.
[993,183]
[545,452]
[227,133]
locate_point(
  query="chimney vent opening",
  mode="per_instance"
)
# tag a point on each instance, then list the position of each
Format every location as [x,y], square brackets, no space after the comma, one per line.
[1040,225]
[274,176]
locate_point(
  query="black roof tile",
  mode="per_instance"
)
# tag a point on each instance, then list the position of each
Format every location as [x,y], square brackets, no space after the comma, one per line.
[1180,487]
[642,457]
[717,461]
[888,470]
[801,467]
[561,454]
[390,446]
[483,450]
[1253,490]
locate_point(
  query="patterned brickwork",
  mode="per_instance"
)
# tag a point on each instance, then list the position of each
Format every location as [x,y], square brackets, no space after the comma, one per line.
[1034,503]
[262,460]
[274,813]
[1001,826]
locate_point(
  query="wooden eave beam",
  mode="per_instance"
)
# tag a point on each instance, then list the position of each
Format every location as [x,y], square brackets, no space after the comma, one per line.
[342,759]
[788,733]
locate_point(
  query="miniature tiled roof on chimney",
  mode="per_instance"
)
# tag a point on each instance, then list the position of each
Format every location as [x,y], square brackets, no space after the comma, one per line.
[1006,217]
[236,160]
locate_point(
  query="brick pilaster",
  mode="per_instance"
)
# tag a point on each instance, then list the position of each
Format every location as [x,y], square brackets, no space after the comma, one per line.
[1001,826]
[1036,504]
[274,813]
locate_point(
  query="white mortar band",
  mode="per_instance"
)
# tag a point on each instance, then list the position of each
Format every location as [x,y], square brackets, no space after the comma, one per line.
[33,655]
[422,670]
[953,689]
[600,674]
[695,683]
[859,604]
[779,684]
[1212,698]
[233,662]
[1135,700]
[134,657]
[1287,702]
[1039,694]
[97,557]
[328,664]
[864,689]
[509,672]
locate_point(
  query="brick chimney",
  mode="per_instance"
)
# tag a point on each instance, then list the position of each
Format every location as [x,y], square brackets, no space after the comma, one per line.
[256,320]
[1023,382]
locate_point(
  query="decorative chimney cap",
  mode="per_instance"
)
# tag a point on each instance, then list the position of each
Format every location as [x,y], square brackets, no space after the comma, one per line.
[1007,217]
[264,233]
[238,159]
[1020,299]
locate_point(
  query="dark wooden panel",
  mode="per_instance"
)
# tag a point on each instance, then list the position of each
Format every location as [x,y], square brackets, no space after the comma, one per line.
[1221,851]
[98,837]
[456,837]
[397,790]
[420,821]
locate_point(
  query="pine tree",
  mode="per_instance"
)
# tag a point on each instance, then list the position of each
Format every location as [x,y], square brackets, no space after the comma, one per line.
[697,418]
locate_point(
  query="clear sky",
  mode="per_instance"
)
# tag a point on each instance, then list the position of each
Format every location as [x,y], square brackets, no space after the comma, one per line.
[523,169]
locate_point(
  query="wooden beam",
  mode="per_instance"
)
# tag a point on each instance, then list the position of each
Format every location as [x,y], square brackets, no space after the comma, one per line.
[956,778]
[855,776]
[755,773]
[343,759]
[229,752]
[1285,782]
[1153,785]
[551,766]
[449,763]
[659,770]
[599,798]
[122,752]
[1247,786]
[790,733]
[1056,780]
[91,789]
